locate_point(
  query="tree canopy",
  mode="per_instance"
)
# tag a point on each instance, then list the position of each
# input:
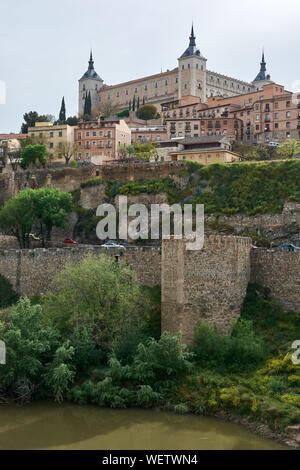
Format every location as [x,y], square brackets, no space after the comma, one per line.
[147,112]
[98,293]
[33,154]
[32,117]
[46,208]
[289,148]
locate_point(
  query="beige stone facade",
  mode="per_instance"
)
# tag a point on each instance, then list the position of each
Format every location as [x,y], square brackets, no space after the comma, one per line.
[52,135]
[205,157]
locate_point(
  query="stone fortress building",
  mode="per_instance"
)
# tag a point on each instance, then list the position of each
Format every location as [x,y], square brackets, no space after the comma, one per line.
[190,78]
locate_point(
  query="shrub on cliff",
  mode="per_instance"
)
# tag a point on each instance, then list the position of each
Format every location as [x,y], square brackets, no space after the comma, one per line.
[98,293]
[247,188]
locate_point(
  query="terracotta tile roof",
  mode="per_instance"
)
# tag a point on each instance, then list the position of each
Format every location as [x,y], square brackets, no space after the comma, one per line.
[12,136]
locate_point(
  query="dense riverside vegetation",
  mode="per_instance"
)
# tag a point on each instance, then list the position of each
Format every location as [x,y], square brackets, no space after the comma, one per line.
[95,338]
[247,188]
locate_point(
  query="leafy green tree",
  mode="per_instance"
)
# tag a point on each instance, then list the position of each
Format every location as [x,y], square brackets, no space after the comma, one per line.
[98,293]
[31,118]
[62,113]
[147,112]
[46,207]
[30,342]
[33,154]
[146,151]
[289,148]
[72,120]
[17,217]
[51,208]
[124,113]
[125,150]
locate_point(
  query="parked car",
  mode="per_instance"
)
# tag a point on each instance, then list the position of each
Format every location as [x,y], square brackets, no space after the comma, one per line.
[274,144]
[111,244]
[289,247]
[69,241]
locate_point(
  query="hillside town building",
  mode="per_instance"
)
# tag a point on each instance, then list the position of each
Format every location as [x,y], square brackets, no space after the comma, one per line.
[98,141]
[52,135]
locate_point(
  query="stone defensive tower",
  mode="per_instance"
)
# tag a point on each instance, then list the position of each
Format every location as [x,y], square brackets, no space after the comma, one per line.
[91,83]
[207,285]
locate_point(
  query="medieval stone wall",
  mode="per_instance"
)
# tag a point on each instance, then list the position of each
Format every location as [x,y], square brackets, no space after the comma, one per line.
[207,285]
[279,270]
[31,271]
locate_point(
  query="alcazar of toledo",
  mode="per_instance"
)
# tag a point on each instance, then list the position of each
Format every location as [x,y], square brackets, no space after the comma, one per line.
[190,78]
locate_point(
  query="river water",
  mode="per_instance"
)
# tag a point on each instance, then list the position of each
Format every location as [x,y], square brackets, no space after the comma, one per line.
[49,426]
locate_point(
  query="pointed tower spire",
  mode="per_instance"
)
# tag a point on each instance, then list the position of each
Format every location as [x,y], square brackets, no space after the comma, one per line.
[192,37]
[263,68]
[263,65]
[91,62]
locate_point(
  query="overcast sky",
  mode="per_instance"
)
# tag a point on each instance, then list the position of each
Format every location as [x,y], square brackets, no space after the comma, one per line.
[44,46]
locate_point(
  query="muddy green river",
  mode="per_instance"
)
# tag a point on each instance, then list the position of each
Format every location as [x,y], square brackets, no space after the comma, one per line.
[48,426]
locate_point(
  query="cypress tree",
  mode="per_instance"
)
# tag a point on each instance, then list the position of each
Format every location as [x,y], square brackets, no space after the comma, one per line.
[88,105]
[143,101]
[62,113]
[133,104]
[129,105]
[85,105]
[138,103]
